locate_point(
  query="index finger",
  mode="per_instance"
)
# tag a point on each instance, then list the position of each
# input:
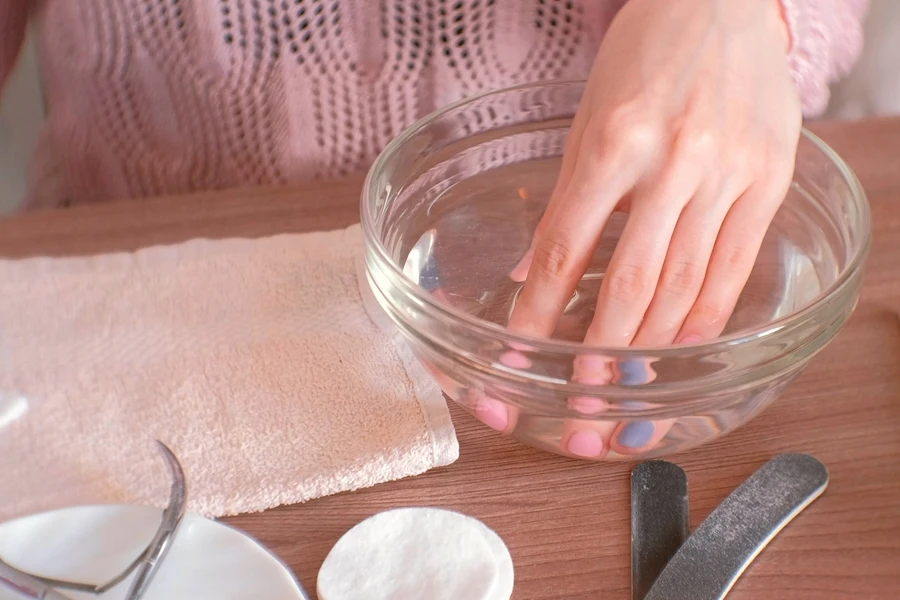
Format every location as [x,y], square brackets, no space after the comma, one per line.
[564,247]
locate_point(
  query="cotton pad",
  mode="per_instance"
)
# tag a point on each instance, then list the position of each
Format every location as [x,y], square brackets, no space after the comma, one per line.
[417,554]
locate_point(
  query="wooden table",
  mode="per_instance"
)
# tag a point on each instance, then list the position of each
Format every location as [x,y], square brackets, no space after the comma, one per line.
[567,522]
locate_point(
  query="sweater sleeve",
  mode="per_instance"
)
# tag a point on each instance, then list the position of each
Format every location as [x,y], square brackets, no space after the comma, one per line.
[13,21]
[826,40]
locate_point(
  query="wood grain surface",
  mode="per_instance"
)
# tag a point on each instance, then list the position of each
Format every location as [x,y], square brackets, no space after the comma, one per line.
[567,522]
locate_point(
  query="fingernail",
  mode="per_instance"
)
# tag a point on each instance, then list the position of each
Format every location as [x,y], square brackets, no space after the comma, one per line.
[591,363]
[636,434]
[440,295]
[632,372]
[632,404]
[592,370]
[520,271]
[690,339]
[588,379]
[587,405]
[585,443]
[492,413]
[429,278]
[515,360]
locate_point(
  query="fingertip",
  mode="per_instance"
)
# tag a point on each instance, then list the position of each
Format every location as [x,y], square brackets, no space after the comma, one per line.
[634,372]
[637,437]
[515,360]
[588,405]
[492,413]
[585,443]
[587,438]
[518,275]
[592,370]
[520,272]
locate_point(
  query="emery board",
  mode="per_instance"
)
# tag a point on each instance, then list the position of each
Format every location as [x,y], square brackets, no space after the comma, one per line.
[712,558]
[660,521]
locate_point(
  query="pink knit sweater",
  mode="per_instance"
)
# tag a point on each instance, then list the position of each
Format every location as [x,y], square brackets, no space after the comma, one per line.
[148,97]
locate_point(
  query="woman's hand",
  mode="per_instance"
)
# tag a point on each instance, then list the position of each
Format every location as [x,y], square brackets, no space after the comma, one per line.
[691,121]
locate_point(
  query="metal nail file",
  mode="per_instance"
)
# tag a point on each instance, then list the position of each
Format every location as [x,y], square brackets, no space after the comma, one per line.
[660,521]
[717,553]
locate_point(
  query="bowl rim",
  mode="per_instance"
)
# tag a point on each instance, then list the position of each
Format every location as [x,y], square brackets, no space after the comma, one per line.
[499,333]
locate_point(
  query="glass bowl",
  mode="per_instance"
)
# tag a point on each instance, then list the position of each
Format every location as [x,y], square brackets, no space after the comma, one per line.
[449,208]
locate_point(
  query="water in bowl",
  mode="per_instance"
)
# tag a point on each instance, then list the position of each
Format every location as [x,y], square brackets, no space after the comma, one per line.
[463,245]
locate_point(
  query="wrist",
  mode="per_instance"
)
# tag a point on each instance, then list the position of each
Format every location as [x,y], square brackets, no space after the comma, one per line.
[778,21]
[771,16]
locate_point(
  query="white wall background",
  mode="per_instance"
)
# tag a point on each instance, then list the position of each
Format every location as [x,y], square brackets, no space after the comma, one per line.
[873,88]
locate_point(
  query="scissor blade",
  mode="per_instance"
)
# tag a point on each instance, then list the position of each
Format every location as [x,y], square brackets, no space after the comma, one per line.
[162,541]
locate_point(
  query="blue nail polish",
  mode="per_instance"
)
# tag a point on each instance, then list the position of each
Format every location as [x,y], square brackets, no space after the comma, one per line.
[632,372]
[636,434]
[429,277]
[633,404]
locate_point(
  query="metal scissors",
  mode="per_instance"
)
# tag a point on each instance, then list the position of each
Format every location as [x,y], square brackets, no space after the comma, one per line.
[146,564]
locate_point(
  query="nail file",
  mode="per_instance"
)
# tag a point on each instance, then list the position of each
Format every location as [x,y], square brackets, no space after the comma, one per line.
[660,521]
[717,553]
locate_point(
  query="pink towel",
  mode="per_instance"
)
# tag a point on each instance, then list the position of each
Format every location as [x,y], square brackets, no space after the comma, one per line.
[254,360]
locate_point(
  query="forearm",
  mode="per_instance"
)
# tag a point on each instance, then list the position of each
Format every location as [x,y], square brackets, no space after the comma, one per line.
[825,42]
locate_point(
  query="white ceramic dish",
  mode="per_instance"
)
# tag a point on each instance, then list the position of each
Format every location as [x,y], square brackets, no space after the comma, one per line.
[92,544]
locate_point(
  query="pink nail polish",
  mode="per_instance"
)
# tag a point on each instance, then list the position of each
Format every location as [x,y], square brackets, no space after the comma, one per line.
[592,364]
[587,405]
[585,443]
[591,379]
[492,413]
[520,272]
[515,360]
[440,295]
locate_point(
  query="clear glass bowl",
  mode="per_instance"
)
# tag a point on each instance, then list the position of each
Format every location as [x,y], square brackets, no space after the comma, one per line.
[449,208]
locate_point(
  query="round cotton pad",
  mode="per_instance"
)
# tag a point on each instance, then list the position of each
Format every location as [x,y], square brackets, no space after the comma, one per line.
[417,554]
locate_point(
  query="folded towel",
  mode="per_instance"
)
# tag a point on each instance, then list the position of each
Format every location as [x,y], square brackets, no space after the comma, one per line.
[254,360]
